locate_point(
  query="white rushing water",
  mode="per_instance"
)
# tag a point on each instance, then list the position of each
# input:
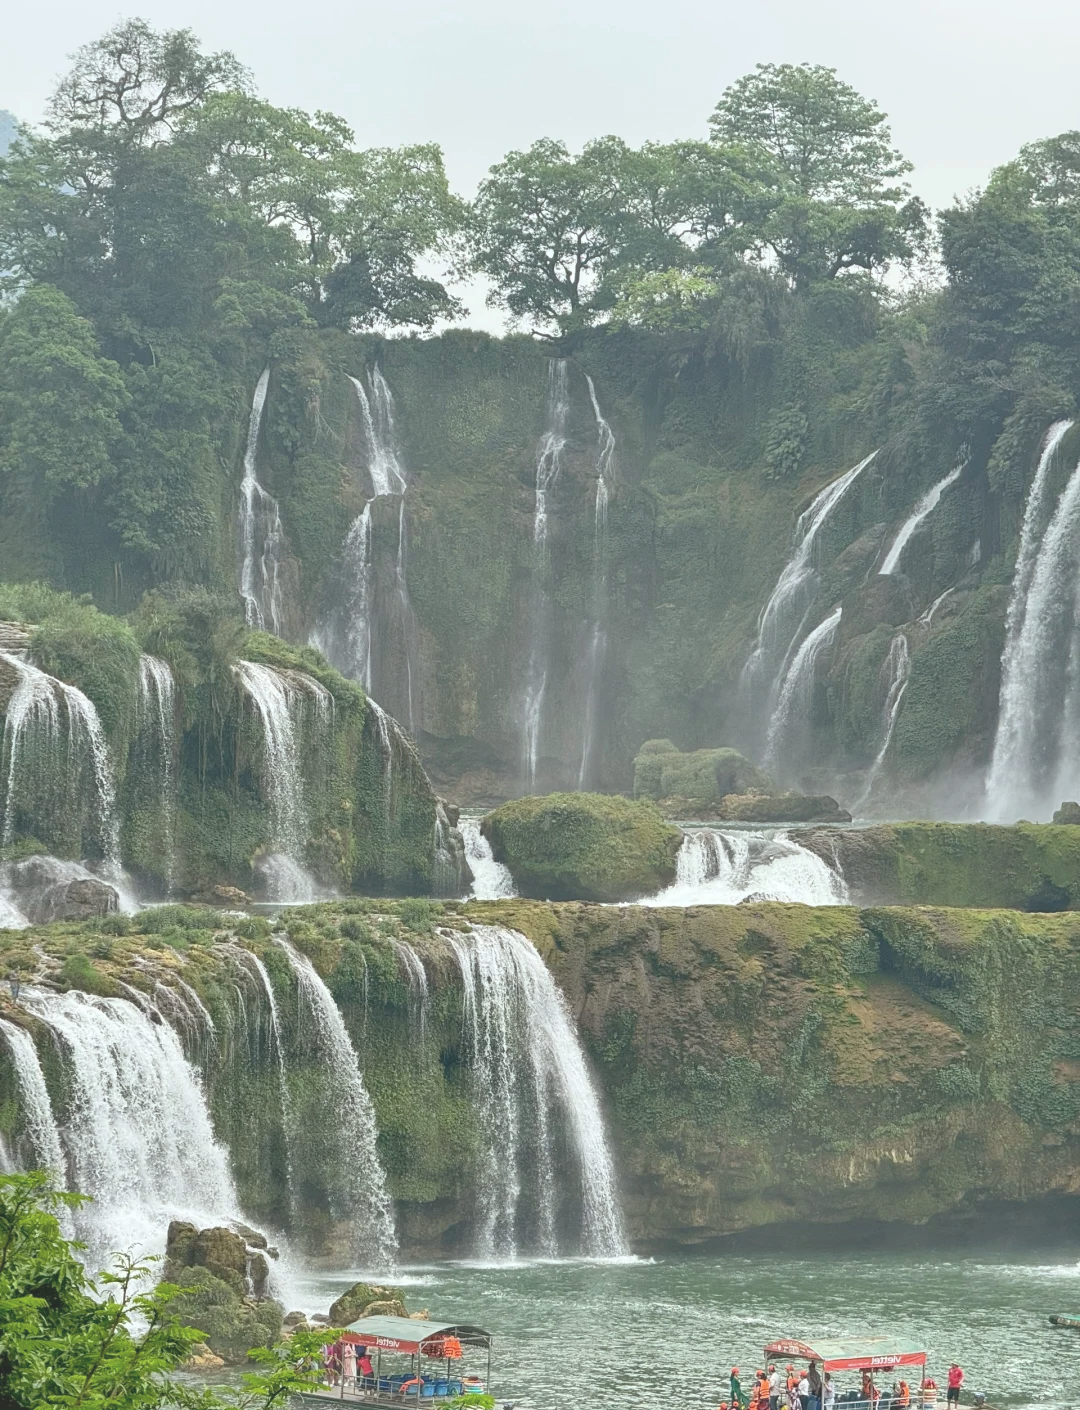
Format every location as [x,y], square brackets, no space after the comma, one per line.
[782,617]
[41,1128]
[55,762]
[923,509]
[156,736]
[417,980]
[897,669]
[533,1093]
[261,535]
[347,634]
[721,867]
[791,715]
[1035,662]
[596,651]
[491,879]
[135,1124]
[549,462]
[286,703]
[360,1195]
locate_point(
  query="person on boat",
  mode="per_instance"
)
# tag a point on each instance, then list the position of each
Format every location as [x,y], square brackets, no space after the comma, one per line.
[902,1395]
[828,1393]
[870,1393]
[793,1401]
[813,1379]
[804,1391]
[364,1370]
[738,1395]
[761,1390]
[956,1380]
[774,1388]
[348,1363]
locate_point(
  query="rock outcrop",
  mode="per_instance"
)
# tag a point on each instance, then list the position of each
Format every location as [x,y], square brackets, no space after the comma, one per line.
[367,1300]
[223,1286]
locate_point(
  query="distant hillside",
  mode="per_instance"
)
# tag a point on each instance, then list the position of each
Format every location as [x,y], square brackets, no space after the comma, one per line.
[8,123]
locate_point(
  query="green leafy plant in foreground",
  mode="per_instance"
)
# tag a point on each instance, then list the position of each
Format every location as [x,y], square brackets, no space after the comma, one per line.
[69,1342]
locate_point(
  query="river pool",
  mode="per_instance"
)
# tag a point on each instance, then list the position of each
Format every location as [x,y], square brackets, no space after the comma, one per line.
[666,1332]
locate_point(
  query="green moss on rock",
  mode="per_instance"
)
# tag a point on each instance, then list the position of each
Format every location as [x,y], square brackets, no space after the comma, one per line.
[584,846]
[703,776]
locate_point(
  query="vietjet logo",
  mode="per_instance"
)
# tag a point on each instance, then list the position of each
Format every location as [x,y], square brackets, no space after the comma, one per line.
[885,1361]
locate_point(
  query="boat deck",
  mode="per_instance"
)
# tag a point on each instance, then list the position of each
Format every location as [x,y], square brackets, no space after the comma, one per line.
[333,1395]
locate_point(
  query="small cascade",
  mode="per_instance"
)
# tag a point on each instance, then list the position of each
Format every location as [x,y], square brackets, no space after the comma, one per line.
[262,538]
[417,980]
[546,1163]
[791,717]
[156,749]
[782,618]
[1031,749]
[450,869]
[135,1124]
[923,509]
[46,1152]
[11,917]
[55,766]
[348,633]
[898,669]
[549,463]
[597,648]
[491,879]
[715,867]
[359,1192]
[286,703]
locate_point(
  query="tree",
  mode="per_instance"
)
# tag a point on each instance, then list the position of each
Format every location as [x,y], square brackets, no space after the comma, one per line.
[60,400]
[68,1342]
[839,201]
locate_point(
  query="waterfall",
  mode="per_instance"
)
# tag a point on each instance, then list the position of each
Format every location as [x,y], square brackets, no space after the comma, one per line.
[549,462]
[922,510]
[261,535]
[532,1091]
[360,1194]
[796,696]
[41,1128]
[285,702]
[347,633]
[156,741]
[57,763]
[135,1124]
[597,649]
[1027,744]
[417,981]
[898,666]
[491,879]
[782,617]
[715,867]
[11,917]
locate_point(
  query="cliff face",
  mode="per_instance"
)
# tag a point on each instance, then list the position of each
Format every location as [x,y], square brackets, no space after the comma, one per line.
[761,1067]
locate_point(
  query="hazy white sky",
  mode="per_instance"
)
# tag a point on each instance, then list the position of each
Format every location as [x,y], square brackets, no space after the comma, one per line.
[965,82]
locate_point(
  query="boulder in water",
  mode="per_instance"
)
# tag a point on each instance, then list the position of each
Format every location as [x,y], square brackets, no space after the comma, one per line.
[366,1300]
[695,780]
[781,808]
[222,1289]
[47,889]
[584,846]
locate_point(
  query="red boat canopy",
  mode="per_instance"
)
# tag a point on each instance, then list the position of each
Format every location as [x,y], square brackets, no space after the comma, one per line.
[410,1334]
[851,1353]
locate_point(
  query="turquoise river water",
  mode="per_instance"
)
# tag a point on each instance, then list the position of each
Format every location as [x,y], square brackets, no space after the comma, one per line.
[636,1334]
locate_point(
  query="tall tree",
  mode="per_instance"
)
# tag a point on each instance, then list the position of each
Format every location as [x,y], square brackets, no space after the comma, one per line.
[840,201]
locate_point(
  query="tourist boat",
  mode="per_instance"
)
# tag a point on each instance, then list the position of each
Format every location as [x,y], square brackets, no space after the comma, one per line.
[1057,1319]
[874,1354]
[412,1361]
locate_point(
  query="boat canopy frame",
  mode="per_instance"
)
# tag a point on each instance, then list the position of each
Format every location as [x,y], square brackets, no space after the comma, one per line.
[410,1334]
[850,1353]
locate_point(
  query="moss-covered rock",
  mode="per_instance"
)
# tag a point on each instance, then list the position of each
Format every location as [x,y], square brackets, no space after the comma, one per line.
[584,846]
[1028,867]
[367,1300]
[699,778]
[222,1286]
[780,808]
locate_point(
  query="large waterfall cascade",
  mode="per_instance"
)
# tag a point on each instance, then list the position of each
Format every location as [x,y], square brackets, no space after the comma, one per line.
[533,1096]
[286,704]
[922,511]
[134,1124]
[897,669]
[784,615]
[262,539]
[491,879]
[597,645]
[157,743]
[54,761]
[795,698]
[721,867]
[1036,760]
[549,464]
[46,1152]
[360,1196]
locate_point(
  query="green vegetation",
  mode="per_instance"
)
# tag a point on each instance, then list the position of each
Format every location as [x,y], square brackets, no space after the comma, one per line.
[584,846]
[704,776]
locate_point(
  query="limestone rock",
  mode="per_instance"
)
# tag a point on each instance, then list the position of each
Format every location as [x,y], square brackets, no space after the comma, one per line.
[220,1251]
[780,808]
[366,1300]
[1068,813]
[48,889]
[700,778]
[203,1359]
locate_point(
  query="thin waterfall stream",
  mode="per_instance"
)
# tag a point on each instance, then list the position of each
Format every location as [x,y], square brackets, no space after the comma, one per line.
[597,647]
[262,537]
